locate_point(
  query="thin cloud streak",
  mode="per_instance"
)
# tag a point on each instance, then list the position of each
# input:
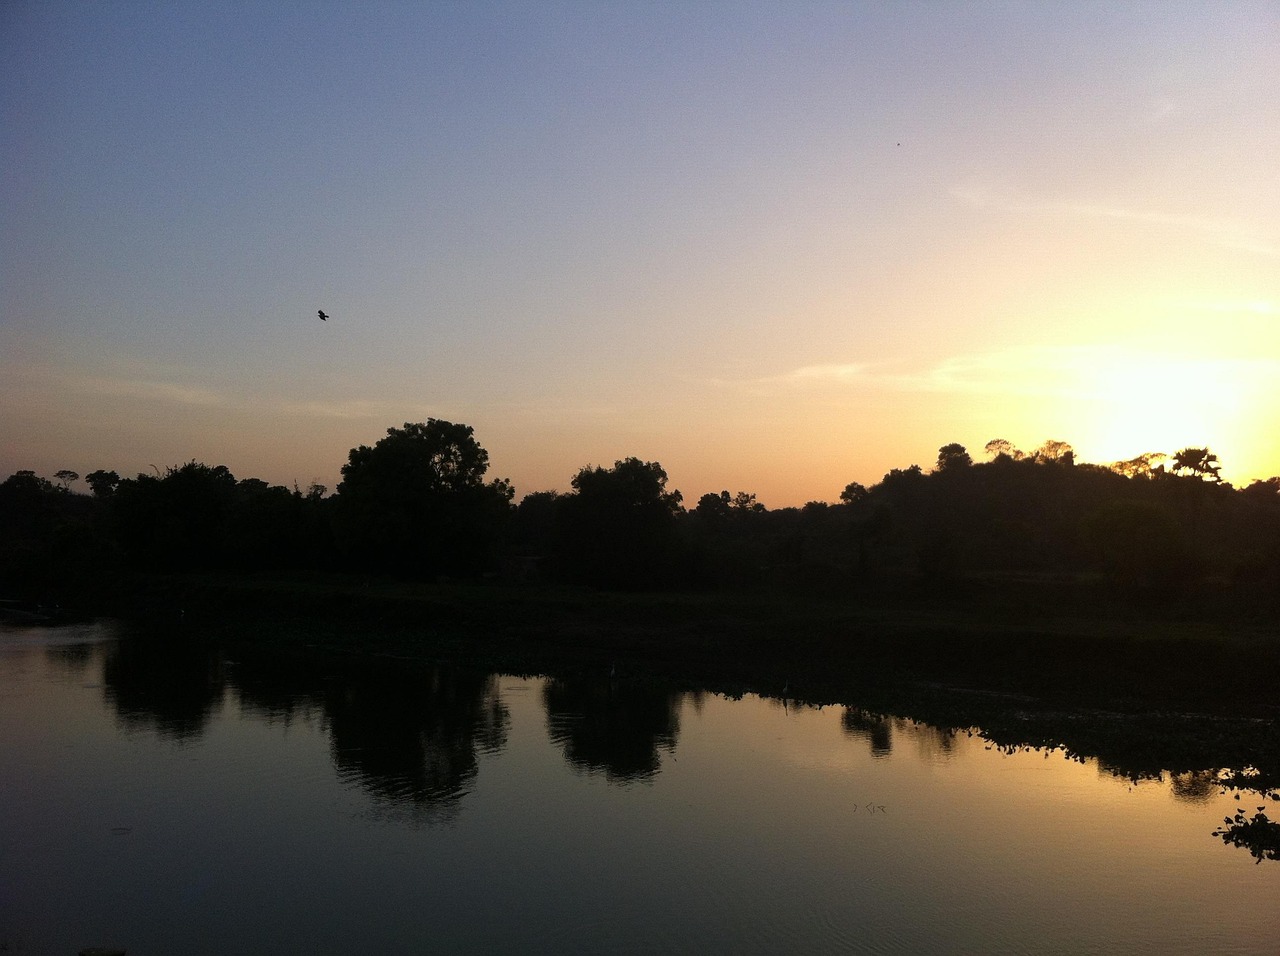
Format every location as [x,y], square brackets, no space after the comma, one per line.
[354,410]
[148,391]
[1221,232]
[1074,372]
[1235,308]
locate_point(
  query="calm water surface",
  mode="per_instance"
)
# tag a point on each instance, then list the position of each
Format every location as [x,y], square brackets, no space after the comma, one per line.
[166,799]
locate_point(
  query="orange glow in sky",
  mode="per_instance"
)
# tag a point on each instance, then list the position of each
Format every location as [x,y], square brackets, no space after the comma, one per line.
[777,249]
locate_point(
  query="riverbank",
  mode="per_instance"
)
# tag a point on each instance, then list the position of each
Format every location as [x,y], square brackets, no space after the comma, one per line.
[1066,648]
[1145,688]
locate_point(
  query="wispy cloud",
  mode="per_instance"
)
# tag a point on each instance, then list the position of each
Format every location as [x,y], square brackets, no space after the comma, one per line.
[1234,308]
[973,374]
[1102,211]
[1080,372]
[151,391]
[852,373]
[351,410]
[1222,232]
[1248,245]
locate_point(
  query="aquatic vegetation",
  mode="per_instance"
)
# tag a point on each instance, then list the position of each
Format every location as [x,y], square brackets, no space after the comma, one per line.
[1258,834]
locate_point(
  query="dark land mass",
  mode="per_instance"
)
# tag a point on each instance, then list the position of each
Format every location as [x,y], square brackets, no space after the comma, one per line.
[1124,611]
[1062,644]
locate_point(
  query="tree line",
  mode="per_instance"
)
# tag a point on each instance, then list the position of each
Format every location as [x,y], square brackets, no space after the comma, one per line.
[417,504]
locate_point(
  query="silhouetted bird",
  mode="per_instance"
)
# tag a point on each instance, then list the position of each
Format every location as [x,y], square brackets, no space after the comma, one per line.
[323,317]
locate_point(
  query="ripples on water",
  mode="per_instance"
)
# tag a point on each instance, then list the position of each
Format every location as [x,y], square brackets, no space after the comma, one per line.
[163,797]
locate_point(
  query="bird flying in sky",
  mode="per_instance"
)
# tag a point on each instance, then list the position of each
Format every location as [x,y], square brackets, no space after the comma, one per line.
[323,317]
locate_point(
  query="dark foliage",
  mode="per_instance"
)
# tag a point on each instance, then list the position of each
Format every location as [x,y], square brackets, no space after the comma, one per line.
[619,527]
[1259,834]
[416,504]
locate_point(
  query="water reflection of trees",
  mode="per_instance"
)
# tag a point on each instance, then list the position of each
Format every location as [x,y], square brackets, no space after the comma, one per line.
[616,727]
[1195,786]
[412,737]
[72,658]
[1200,757]
[879,730]
[876,729]
[165,683]
[281,688]
[408,734]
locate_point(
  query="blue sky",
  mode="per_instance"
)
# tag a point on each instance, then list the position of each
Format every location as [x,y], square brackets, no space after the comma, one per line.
[775,247]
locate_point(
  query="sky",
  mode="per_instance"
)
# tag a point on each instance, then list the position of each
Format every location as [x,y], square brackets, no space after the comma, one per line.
[775,247]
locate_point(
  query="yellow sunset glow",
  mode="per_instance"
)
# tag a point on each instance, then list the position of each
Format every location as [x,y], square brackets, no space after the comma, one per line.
[1132,403]
[804,245]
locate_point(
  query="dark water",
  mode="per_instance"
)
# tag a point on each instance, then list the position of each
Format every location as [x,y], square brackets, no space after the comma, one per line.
[169,800]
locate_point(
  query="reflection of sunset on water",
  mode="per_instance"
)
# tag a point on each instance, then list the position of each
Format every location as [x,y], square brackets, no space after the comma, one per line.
[382,800]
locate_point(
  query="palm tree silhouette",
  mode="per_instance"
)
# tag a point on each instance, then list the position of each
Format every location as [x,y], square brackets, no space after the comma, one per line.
[1199,461]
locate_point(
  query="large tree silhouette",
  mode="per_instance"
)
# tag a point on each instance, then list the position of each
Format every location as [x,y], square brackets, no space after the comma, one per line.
[417,501]
[618,528]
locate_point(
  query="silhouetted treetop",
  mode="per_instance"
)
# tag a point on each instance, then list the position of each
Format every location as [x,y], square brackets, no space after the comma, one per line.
[1051,451]
[1146,465]
[1000,448]
[102,483]
[853,493]
[726,507]
[953,457]
[1054,451]
[417,502]
[618,528]
[1200,462]
[1265,489]
[430,456]
[638,484]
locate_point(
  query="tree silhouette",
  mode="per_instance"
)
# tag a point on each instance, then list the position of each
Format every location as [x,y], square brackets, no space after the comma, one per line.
[1200,462]
[176,521]
[102,483]
[1265,489]
[853,493]
[953,457]
[618,528]
[417,501]
[717,509]
[1055,451]
[1146,465]
[999,448]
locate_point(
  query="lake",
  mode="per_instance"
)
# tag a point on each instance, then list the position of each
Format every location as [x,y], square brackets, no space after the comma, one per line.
[167,797]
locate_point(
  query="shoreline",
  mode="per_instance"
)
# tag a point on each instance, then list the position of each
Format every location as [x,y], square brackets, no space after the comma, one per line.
[1144,694]
[1123,656]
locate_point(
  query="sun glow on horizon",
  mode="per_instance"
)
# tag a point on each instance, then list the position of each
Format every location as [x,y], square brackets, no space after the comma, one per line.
[802,246]
[1132,403]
